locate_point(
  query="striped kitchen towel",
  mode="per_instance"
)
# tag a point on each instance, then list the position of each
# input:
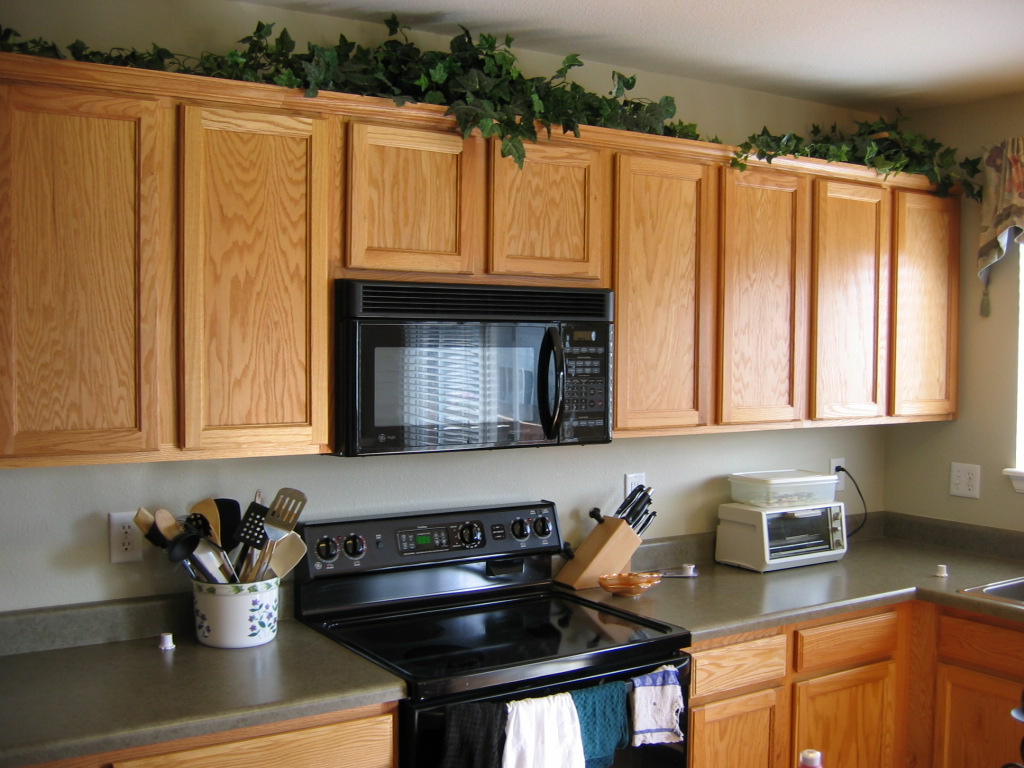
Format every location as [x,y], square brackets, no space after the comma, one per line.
[657,703]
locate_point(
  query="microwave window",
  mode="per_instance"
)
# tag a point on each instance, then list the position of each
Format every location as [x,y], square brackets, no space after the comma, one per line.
[436,385]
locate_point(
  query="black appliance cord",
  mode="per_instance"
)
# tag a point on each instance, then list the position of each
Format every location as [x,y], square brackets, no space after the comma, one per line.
[864,504]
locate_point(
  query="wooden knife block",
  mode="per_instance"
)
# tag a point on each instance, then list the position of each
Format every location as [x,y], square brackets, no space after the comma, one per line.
[608,549]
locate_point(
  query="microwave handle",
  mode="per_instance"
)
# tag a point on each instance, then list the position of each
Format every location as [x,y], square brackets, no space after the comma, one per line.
[551,353]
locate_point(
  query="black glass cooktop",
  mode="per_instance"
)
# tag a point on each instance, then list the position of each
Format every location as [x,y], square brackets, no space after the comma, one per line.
[468,647]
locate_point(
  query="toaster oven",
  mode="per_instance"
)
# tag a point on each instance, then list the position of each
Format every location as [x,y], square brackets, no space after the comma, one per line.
[771,539]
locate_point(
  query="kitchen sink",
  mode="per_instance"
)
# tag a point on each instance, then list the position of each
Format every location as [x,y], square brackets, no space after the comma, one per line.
[1010,591]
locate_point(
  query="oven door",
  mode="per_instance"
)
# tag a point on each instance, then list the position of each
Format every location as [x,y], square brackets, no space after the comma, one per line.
[422,724]
[439,386]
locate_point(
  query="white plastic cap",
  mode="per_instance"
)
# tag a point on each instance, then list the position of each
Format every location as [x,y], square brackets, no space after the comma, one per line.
[810,757]
[941,571]
[166,641]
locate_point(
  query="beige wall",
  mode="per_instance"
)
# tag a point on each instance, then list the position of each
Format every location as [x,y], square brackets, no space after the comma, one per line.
[53,521]
[917,470]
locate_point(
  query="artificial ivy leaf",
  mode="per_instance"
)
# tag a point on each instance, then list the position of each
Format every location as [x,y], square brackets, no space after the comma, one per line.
[393,24]
[512,146]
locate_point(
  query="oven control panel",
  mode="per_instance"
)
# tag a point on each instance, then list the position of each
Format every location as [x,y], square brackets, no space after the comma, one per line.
[356,544]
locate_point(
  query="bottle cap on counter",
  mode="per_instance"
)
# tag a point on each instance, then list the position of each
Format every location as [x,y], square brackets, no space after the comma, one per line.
[166,641]
[941,571]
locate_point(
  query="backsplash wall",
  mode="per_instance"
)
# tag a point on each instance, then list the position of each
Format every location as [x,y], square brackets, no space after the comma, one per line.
[53,521]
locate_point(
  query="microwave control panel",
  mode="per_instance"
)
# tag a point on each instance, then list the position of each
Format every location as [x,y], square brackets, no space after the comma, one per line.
[366,544]
[587,403]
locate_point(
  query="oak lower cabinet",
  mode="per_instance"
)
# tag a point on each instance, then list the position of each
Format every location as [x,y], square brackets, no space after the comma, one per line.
[255,322]
[665,266]
[979,679]
[833,685]
[763,303]
[86,243]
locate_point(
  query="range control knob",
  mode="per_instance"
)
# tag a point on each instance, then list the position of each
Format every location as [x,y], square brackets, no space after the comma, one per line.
[542,527]
[471,535]
[520,530]
[354,546]
[327,549]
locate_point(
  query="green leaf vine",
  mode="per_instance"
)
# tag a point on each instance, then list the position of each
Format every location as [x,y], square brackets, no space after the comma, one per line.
[482,86]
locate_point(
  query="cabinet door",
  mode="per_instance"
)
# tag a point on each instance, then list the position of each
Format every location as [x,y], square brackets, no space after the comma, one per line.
[973,726]
[255,287]
[82,232]
[849,716]
[417,200]
[925,305]
[763,304]
[551,217]
[850,301]
[664,292]
[744,730]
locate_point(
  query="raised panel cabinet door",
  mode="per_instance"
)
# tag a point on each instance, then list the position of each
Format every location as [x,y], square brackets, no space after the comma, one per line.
[745,730]
[850,300]
[255,288]
[81,236]
[664,292]
[925,305]
[551,217]
[417,200]
[973,725]
[763,326]
[849,716]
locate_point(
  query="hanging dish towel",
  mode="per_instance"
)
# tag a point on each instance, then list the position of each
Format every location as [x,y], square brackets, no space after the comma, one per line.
[604,721]
[474,735]
[1002,207]
[657,706]
[543,732]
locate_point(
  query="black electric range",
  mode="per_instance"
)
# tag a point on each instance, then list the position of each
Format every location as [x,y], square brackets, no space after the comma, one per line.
[460,604]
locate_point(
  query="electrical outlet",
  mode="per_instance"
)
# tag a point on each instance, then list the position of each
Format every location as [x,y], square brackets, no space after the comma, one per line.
[633,479]
[832,464]
[125,537]
[965,480]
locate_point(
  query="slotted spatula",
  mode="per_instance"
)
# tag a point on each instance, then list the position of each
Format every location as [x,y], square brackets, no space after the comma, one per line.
[284,511]
[251,534]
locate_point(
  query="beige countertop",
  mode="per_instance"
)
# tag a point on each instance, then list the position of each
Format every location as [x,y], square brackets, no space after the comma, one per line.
[83,700]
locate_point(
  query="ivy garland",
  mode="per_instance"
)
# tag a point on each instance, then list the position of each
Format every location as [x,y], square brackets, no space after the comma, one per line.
[483,88]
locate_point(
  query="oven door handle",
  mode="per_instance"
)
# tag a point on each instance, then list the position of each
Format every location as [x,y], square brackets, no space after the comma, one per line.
[551,354]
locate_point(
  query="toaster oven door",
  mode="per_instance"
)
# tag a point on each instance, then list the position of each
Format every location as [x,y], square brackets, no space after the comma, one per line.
[794,532]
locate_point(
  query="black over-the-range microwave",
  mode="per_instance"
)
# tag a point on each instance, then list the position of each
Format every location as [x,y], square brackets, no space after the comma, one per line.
[426,367]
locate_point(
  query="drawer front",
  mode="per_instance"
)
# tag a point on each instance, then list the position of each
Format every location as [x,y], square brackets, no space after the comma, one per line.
[982,645]
[737,666]
[845,643]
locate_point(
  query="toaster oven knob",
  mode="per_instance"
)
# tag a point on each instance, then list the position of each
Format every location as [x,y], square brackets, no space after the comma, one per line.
[327,549]
[354,546]
[520,530]
[471,535]
[542,527]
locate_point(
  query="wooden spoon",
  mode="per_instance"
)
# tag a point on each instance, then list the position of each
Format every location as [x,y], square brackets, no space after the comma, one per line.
[208,509]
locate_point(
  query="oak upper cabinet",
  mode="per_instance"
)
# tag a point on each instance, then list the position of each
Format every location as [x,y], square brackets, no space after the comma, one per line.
[417,200]
[255,325]
[552,217]
[85,229]
[763,302]
[665,260]
[925,305]
[850,300]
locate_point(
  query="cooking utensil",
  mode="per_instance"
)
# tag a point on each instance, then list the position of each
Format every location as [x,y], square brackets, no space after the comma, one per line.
[287,553]
[284,511]
[251,534]
[207,509]
[146,522]
[181,543]
[230,513]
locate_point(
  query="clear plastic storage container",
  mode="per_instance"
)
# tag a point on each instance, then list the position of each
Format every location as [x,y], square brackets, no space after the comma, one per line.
[783,488]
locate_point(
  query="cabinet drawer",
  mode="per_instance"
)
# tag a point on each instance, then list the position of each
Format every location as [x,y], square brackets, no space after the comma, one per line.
[736,666]
[982,645]
[364,743]
[844,643]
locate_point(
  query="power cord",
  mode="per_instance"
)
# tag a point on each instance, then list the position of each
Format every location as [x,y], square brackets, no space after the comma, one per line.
[864,504]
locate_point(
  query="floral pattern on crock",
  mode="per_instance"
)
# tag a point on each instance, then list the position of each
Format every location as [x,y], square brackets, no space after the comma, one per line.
[262,618]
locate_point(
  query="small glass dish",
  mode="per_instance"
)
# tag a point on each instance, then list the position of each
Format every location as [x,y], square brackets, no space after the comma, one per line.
[628,584]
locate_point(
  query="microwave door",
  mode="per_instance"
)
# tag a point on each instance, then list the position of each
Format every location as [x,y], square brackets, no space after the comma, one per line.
[551,382]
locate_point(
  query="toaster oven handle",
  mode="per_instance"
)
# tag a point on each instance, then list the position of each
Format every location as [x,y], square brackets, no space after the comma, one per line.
[551,354]
[804,513]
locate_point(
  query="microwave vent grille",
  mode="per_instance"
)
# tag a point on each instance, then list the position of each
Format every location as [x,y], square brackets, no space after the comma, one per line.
[475,302]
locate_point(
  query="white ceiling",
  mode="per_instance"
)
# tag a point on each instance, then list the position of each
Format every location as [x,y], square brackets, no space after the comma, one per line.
[864,54]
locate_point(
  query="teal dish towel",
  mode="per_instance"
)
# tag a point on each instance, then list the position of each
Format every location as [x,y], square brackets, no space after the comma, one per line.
[604,721]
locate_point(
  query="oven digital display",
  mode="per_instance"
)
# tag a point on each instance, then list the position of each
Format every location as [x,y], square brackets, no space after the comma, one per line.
[418,540]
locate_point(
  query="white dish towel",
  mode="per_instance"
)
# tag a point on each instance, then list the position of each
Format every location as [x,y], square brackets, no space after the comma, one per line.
[657,705]
[544,731]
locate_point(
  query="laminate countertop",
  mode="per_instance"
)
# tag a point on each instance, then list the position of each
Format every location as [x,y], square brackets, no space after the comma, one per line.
[69,702]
